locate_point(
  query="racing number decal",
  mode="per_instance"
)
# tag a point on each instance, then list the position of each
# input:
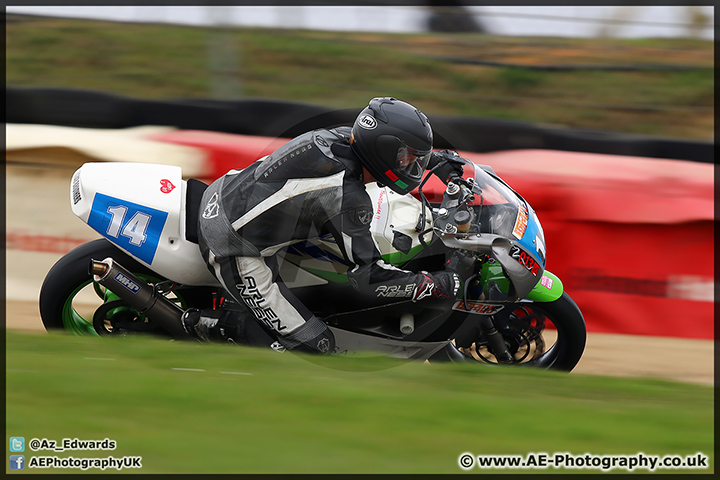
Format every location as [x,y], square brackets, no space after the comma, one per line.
[525,260]
[136,228]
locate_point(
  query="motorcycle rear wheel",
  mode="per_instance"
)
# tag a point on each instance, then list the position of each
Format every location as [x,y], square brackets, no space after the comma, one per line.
[66,301]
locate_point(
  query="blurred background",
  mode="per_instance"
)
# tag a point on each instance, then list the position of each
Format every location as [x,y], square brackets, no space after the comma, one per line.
[630,69]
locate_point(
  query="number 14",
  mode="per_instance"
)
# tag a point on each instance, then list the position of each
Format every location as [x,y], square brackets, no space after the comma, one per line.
[135,227]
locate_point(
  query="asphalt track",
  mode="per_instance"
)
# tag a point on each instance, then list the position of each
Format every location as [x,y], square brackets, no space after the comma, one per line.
[40,226]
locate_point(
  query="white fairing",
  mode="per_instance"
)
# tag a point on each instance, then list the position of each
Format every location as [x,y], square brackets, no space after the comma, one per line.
[141,209]
[394,213]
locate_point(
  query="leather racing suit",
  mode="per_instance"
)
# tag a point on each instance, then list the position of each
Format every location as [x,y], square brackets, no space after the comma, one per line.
[311,186]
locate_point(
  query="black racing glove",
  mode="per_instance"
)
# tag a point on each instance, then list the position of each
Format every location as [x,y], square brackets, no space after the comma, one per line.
[450,162]
[463,263]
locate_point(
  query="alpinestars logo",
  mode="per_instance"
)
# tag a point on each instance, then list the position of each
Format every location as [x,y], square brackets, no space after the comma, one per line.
[424,289]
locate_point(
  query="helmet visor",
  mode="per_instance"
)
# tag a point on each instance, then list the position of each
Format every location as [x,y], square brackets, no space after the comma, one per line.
[412,163]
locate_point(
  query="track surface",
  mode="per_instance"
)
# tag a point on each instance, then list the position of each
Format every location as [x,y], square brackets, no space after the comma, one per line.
[38,206]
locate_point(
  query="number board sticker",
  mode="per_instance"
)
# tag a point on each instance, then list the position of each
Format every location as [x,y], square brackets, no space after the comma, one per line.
[478,308]
[521,222]
[136,228]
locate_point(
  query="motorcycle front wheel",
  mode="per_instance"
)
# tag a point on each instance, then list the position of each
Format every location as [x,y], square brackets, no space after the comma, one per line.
[550,335]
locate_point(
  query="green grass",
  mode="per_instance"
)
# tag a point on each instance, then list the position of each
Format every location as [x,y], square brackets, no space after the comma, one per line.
[345,70]
[300,414]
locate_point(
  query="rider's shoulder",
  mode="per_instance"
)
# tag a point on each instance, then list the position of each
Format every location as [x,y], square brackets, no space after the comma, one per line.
[325,138]
[334,144]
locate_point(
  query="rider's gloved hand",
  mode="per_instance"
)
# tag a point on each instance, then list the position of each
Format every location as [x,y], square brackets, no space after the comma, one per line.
[463,263]
[441,285]
[450,162]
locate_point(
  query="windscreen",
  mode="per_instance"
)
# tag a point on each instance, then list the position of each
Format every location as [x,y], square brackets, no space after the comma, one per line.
[499,210]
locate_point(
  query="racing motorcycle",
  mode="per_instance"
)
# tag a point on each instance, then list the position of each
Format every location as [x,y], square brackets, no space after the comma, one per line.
[147,269]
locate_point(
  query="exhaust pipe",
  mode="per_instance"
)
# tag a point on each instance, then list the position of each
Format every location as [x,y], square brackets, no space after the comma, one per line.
[139,295]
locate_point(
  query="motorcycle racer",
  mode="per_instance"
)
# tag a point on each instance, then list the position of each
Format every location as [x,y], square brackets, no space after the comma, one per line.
[314,185]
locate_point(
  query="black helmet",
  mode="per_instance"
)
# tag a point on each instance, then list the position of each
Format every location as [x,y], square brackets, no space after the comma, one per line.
[394,142]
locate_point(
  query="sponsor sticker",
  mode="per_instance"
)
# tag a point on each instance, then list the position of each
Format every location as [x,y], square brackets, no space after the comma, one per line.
[380,205]
[478,308]
[546,282]
[166,186]
[76,188]
[521,222]
[127,283]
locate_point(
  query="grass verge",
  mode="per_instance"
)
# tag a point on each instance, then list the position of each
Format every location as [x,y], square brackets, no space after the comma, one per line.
[191,408]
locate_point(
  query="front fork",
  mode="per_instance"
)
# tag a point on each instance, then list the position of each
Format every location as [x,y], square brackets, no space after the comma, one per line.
[495,340]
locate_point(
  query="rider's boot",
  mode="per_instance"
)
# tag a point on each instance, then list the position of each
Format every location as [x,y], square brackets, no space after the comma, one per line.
[311,337]
[236,327]
[212,325]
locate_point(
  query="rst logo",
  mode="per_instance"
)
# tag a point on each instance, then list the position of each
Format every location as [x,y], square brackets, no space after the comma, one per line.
[477,308]
[525,260]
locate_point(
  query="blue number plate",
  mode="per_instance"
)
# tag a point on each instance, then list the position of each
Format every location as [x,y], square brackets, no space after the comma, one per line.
[136,228]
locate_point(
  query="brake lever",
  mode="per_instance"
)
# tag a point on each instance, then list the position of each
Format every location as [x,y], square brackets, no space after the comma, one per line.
[459,180]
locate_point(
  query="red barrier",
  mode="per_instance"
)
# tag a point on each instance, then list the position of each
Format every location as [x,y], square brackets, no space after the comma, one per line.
[631,238]
[225,151]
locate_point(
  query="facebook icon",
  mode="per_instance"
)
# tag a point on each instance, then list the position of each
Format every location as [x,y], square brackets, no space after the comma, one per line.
[17,462]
